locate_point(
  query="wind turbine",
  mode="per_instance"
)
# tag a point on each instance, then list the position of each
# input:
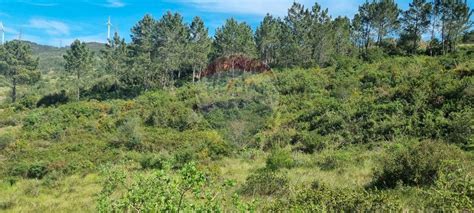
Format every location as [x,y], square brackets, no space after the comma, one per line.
[109,24]
[3,32]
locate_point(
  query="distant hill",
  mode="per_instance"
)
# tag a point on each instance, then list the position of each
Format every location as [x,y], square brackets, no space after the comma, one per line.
[51,58]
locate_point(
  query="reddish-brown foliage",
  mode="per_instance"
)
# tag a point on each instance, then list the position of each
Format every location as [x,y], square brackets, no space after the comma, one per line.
[235,63]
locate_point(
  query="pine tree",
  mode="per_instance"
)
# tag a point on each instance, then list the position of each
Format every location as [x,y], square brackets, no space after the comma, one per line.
[357,30]
[321,36]
[114,56]
[298,21]
[18,65]
[199,46]
[142,67]
[416,21]
[286,52]
[267,37]
[362,25]
[171,38]
[234,38]
[455,20]
[78,62]
[341,27]
[384,18]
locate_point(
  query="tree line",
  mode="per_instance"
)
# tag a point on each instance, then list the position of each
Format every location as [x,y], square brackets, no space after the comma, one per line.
[167,51]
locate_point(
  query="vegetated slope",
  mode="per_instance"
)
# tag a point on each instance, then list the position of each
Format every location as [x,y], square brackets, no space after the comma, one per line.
[393,134]
[51,58]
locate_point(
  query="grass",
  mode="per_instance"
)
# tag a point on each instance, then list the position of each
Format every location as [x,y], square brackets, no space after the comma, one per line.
[71,194]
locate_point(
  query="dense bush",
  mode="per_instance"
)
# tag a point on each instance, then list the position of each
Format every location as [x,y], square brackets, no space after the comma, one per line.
[130,134]
[454,189]
[34,171]
[164,110]
[333,161]
[265,182]
[5,139]
[310,142]
[320,198]
[53,99]
[160,192]
[152,161]
[280,158]
[416,164]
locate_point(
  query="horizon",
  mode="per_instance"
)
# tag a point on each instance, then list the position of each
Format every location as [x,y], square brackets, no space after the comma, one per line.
[58,23]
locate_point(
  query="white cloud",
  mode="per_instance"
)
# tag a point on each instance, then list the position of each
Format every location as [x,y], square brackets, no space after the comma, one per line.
[341,7]
[4,14]
[44,4]
[115,3]
[274,7]
[10,30]
[254,7]
[50,26]
[39,3]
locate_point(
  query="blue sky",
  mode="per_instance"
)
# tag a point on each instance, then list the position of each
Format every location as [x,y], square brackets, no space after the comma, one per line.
[61,21]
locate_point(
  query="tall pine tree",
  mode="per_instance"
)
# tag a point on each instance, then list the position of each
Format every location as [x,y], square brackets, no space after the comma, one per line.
[298,22]
[455,20]
[114,56]
[18,65]
[362,26]
[321,36]
[341,27]
[384,18]
[78,62]
[142,67]
[267,38]
[199,46]
[171,38]
[416,21]
[234,38]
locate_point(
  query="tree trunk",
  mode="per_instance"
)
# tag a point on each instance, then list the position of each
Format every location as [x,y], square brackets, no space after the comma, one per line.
[415,42]
[78,86]
[14,90]
[443,37]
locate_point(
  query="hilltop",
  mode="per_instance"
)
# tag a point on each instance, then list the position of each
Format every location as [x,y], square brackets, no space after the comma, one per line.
[51,58]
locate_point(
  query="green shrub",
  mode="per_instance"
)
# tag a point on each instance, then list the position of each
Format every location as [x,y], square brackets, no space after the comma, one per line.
[37,171]
[6,139]
[130,134]
[187,191]
[265,182]
[34,171]
[280,158]
[320,198]
[374,54]
[333,160]
[416,164]
[453,190]
[310,142]
[274,139]
[164,110]
[53,99]
[152,161]
[182,157]
[28,101]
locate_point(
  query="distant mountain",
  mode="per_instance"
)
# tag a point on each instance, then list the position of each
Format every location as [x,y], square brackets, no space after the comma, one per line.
[39,48]
[51,58]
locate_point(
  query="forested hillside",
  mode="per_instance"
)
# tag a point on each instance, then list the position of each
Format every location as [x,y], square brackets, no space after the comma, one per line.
[307,113]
